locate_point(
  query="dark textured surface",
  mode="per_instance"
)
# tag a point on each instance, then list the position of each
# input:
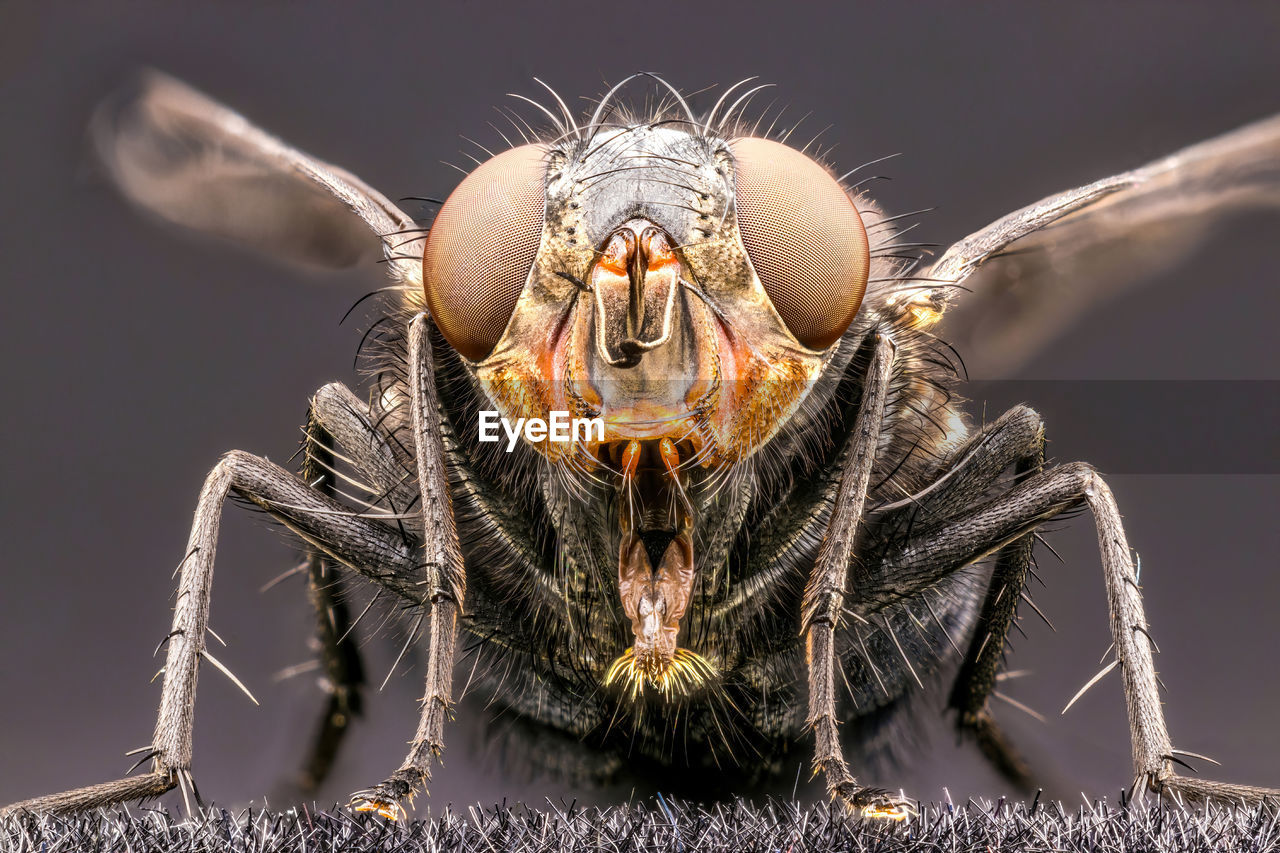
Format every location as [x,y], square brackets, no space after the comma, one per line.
[135,357]
[740,827]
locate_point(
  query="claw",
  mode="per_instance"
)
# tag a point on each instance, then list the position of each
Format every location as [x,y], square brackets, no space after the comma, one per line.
[896,810]
[385,798]
[389,809]
[875,804]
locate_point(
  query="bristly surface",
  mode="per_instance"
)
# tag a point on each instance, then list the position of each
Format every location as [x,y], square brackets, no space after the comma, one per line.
[976,826]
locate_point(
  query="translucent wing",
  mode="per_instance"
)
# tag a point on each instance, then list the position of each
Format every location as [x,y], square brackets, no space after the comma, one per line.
[1024,277]
[191,161]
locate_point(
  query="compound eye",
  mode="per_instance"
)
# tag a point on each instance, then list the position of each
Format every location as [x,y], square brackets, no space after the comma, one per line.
[481,248]
[804,237]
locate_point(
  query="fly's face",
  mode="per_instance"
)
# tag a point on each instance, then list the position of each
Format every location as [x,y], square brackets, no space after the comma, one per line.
[686,290]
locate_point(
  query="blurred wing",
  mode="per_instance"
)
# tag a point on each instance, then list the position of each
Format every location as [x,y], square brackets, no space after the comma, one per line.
[1025,277]
[191,161]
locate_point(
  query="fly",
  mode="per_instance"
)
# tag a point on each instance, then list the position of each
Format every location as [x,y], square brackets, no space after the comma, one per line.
[781,489]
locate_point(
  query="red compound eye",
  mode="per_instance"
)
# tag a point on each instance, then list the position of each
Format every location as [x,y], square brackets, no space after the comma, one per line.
[804,237]
[481,248]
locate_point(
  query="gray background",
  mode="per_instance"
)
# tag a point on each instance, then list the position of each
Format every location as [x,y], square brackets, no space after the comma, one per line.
[133,357]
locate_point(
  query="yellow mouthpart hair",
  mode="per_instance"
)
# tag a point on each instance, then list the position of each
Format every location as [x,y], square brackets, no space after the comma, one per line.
[686,672]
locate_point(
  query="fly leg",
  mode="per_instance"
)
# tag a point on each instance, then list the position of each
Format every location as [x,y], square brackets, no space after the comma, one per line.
[444,582]
[340,425]
[369,547]
[824,595]
[976,680]
[339,656]
[1015,439]
[923,560]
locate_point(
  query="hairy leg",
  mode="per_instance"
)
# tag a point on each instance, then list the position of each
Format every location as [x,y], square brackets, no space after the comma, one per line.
[339,655]
[1015,440]
[824,595]
[341,430]
[369,547]
[923,560]
[444,580]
